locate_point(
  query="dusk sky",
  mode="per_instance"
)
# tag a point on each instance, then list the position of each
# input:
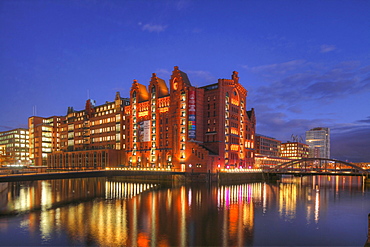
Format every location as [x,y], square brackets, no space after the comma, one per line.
[305,64]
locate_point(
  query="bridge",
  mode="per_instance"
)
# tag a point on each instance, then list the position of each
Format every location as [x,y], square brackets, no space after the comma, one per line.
[318,166]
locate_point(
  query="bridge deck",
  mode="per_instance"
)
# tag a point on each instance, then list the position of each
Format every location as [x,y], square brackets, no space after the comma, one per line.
[313,173]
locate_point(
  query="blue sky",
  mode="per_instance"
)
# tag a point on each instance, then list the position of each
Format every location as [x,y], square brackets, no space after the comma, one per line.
[305,63]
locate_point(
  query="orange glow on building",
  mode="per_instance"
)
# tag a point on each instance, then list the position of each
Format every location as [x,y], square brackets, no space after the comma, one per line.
[143,114]
[234,131]
[235,102]
[181,127]
[163,110]
[234,147]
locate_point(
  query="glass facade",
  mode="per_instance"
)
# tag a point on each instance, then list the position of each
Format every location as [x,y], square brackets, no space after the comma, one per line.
[14,147]
[318,140]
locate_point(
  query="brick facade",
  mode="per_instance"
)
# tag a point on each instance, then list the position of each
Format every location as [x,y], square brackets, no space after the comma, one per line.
[181,127]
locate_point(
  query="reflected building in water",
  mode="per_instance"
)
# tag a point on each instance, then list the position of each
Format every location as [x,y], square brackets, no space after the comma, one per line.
[107,212]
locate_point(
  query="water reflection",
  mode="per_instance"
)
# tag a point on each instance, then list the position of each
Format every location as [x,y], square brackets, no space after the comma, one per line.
[105,212]
[45,194]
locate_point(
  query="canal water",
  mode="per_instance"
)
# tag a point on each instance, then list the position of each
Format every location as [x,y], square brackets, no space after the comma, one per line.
[295,211]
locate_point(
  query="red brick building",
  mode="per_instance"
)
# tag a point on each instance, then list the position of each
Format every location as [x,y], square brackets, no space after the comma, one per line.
[181,127]
[189,128]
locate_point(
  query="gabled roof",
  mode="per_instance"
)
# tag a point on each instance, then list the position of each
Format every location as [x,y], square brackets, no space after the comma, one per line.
[251,115]
[162,88]
[141,91]
[183,76]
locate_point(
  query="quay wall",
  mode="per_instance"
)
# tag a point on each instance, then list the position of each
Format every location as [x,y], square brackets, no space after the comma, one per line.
[140,176]
[240,177]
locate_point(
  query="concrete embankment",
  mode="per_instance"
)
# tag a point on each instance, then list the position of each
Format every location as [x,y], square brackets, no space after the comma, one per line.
[225,178]
[51,175]
[141,176]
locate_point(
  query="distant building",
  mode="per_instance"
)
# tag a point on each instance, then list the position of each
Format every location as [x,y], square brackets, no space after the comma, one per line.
[318,140]
[14,147]
[44,138]
[294,150]
[268,151]
[364,165]
[92,138]
[267,146]
[265,161]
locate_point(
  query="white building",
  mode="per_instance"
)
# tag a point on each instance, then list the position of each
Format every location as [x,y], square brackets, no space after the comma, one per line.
[318,140]
[14,149]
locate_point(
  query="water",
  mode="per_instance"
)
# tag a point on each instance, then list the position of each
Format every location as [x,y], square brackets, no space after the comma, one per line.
[308,211]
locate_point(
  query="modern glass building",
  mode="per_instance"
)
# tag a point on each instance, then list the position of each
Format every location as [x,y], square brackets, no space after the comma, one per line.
[318,140]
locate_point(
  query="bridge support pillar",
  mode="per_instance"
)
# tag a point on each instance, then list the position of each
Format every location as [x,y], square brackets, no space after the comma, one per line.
[367,244]
[367,179]
[271,176]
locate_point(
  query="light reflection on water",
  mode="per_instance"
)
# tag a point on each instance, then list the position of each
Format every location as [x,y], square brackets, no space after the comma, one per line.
[106,212]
